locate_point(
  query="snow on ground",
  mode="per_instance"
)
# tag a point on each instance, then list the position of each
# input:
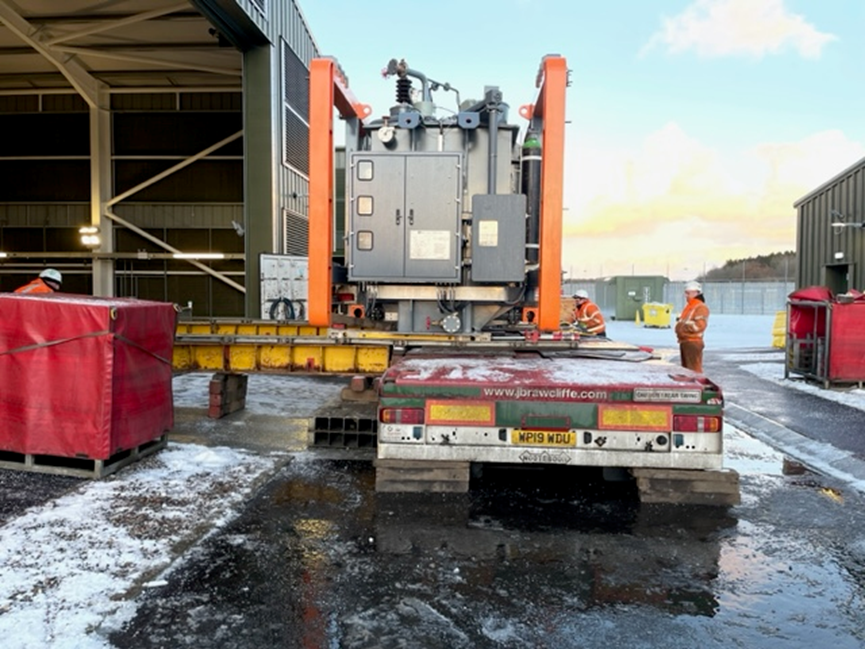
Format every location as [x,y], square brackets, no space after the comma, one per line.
[67,567]
[724,332]
[751,338]
[775,372]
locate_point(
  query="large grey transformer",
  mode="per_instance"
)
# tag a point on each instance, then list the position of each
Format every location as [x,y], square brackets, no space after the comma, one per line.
[441,225]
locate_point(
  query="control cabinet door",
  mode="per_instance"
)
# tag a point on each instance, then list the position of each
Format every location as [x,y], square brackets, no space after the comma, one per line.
[376,214]
[433,188]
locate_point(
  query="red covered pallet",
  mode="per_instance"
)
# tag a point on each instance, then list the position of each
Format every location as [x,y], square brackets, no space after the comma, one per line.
[84,378]
[826,336]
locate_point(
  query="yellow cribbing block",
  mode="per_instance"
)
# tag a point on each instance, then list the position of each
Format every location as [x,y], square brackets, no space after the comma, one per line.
[225,329]
[208,357]
[373,359]
[306,330]
[656,314]
[307,357]
[287,330]
[182,358]
[247,330]
[779,330]
[340,358]
[242,358]
[199,328]
[275,357]
[266,330]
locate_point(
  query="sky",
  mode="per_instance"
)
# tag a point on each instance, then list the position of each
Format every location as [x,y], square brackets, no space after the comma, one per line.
[693,125]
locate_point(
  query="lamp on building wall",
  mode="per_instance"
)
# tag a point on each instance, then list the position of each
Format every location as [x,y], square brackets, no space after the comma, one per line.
[841,222]
[90,236]
[199,255]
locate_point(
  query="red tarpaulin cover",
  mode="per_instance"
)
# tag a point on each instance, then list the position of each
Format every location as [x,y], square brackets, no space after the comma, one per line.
[808,319]
[84,376]
[847,342]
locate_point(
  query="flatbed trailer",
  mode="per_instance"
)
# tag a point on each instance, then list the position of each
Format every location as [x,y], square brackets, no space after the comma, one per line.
[450,411]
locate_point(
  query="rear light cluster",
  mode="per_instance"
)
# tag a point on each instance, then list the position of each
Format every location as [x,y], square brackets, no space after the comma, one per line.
[696,424]
[401,415]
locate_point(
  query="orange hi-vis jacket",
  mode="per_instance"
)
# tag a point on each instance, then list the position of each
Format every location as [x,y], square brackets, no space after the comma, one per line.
[590,316]
[693,321]
[36,286]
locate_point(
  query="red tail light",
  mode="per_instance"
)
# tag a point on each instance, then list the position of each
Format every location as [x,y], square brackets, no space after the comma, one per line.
[401,415]
[696,424]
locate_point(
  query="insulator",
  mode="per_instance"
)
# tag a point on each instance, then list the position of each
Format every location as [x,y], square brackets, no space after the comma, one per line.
[403,90]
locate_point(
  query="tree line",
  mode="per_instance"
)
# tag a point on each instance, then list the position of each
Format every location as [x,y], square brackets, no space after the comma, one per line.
[775,266]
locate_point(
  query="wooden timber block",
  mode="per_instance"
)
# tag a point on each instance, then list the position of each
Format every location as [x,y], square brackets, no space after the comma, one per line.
[227,394]
[688,486]
[421,476]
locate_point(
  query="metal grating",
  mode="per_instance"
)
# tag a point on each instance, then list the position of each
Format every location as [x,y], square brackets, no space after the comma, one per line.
[296,143]
[295,80]
[296,233]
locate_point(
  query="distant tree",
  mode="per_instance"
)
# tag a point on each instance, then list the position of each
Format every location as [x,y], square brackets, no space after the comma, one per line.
[774,266]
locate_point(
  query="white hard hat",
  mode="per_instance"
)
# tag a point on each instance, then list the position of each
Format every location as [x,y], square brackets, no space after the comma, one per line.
[581,293]
[693,286]
[52,274]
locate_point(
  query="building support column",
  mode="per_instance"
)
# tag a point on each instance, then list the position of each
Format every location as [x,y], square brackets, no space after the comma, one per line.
[100,190]
[262,155]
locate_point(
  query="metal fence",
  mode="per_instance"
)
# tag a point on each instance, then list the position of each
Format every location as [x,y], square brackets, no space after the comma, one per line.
[743,298]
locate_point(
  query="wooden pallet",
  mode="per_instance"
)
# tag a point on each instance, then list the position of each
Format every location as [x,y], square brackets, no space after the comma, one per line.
[76,466]
[688,487]
[421,476]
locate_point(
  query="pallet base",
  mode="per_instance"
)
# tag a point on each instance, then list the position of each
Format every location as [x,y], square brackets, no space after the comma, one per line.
[79,467]
[688,487]
[419,476]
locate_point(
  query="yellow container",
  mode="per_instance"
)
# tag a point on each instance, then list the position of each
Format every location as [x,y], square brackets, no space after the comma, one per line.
[779,330]
[657,315]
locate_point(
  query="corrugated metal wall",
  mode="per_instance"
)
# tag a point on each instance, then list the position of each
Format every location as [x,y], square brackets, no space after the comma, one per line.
[833,256]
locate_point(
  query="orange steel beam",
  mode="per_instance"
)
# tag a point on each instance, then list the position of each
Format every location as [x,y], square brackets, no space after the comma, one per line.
[327,88]
[550,107]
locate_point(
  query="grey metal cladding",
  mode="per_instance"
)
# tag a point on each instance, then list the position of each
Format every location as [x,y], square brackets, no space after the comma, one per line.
[498,237]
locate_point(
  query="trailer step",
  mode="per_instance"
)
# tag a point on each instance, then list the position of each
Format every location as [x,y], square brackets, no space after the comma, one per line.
[687,486]
[76,466]
[421,476]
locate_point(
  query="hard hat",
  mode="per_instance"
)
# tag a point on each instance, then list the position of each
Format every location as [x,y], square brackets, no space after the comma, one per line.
[581,293]
[693,286]
[52,274]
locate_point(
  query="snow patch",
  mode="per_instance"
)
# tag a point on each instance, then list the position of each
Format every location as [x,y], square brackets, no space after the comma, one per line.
[66,566]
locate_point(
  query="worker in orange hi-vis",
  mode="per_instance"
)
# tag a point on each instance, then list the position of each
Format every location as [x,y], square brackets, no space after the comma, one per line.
[49,281]
[588,316]
[690,327]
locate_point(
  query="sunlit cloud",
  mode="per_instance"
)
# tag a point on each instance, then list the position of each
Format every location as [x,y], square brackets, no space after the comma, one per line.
[715,28]
[675,203]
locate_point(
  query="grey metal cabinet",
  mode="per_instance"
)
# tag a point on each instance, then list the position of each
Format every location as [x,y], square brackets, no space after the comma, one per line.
[404,216]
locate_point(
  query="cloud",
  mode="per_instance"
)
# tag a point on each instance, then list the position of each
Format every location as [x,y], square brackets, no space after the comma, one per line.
[715,28]
[675,202]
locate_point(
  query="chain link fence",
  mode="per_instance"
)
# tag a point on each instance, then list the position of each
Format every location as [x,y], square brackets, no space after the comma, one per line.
[730,297]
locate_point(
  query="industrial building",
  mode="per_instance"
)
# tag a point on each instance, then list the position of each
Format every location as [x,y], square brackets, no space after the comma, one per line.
[153,148]
[830,238]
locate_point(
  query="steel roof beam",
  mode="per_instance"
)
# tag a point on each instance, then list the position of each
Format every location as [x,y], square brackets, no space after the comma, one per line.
[86,51]
[75,73]
[122,22]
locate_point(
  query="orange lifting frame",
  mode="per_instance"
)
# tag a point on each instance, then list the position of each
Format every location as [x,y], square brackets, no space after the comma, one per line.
[327,89]
[550,108]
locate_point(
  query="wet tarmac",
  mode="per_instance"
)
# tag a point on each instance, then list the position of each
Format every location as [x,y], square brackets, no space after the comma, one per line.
[527,559]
